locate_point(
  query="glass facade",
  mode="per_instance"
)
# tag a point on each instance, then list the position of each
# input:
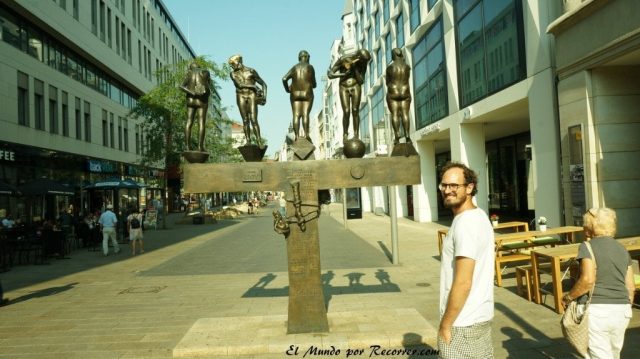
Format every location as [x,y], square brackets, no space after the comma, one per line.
[429,77]
[26,37]
[490,45]
[377,119]
[414,19]
[365,136]
[400,31]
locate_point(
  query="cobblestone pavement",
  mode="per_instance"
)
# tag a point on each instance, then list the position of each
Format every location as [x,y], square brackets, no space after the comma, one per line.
[124,306]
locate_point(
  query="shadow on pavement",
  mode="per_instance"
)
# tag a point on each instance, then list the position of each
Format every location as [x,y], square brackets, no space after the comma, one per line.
[42,293]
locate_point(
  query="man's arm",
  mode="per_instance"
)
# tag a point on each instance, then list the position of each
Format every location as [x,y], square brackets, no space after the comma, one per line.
[462,281]
[285,80]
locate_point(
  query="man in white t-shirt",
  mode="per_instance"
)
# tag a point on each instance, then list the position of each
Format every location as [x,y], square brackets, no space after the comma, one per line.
[466,271]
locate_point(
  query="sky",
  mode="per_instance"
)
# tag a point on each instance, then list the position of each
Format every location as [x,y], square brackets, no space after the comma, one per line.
[268,34]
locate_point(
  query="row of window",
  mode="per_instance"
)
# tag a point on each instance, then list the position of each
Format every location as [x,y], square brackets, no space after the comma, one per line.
[101,26]
[31,40]
[68,115]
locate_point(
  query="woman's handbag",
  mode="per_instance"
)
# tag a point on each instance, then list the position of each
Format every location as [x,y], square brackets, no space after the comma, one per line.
[575,320]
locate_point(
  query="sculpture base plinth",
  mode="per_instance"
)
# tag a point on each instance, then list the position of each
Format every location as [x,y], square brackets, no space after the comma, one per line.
[404,149]
[353,148]
[195,156]
[303,148]
[252,153]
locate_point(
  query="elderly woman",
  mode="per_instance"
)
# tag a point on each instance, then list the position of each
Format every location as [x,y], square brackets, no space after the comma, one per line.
[612,280]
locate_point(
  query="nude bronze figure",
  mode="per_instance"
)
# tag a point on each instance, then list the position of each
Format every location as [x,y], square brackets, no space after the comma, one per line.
[303,81]
[248,96]
[197,86]
[351,70]
[398,94]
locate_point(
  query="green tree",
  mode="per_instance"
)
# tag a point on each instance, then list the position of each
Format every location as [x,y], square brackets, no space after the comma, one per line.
[163,111]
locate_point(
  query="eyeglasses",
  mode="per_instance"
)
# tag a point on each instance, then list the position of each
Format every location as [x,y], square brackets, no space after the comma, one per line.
[452,186]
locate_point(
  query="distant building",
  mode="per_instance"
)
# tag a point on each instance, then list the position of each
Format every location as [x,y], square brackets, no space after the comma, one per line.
[70,73]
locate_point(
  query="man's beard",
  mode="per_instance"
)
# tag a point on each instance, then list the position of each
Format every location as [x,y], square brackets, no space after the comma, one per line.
[452,202]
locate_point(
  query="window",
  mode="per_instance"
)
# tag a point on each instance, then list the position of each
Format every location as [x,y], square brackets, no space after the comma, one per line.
[75,10]
[117,35]
[63,4]
[377,120]
[23,99]
[431,4]
[102,20]
[53,109]
[123,40]
[137,139]
[134,13]
[109,31]
[78,119]
[414,17]
[365,136]
[129,46]
[112,131]
[400,31]
[139,56]
[94,17]
[87,121]
[385,10]
[38,105]
[370,39]
[379,61]
[65,114]
[105,129]
[387,48]
[429,77]
[126,135]
[490,47]
[120,133]
[376,17]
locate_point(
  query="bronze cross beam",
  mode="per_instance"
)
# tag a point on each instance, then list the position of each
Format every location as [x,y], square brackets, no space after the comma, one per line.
[307,310]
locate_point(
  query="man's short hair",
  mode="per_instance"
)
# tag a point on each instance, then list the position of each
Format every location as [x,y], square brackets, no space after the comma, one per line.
[469,175]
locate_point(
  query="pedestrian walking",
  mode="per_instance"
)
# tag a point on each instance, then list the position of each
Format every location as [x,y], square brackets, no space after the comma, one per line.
[466,270]
[607,278]
[135,230]
[108,223]
[283,206]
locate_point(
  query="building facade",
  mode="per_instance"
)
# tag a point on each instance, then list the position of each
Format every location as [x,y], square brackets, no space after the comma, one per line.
[485,92]
[70,71]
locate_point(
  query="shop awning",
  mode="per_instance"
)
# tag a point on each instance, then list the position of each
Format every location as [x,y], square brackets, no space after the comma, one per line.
[44,186]
[115,183]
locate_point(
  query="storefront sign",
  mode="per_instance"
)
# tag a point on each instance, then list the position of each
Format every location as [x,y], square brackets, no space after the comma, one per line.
[7,155]
[101,166]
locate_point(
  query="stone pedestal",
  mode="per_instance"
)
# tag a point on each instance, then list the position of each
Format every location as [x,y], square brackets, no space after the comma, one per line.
[252,153]
[195,156]
[404,149]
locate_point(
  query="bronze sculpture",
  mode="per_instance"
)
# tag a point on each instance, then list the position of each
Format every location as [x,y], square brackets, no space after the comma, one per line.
[399,101]
[351,70]
[197,86]
[303,81]
[248,96]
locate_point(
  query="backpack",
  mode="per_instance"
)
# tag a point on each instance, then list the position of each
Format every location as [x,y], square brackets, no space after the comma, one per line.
[135,223]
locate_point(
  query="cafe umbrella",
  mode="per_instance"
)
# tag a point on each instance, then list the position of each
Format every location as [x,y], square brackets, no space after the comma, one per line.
[117,185]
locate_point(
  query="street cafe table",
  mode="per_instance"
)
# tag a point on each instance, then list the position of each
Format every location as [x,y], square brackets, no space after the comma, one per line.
[558,254]
[518,226]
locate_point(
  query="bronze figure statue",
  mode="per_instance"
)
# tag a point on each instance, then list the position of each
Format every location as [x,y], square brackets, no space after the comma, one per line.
[197,86]
[303,81]
[399,102]
[398,94]
[351,70]
[248,96]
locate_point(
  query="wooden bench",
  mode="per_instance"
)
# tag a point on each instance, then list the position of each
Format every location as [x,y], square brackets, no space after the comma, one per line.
[524,276]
